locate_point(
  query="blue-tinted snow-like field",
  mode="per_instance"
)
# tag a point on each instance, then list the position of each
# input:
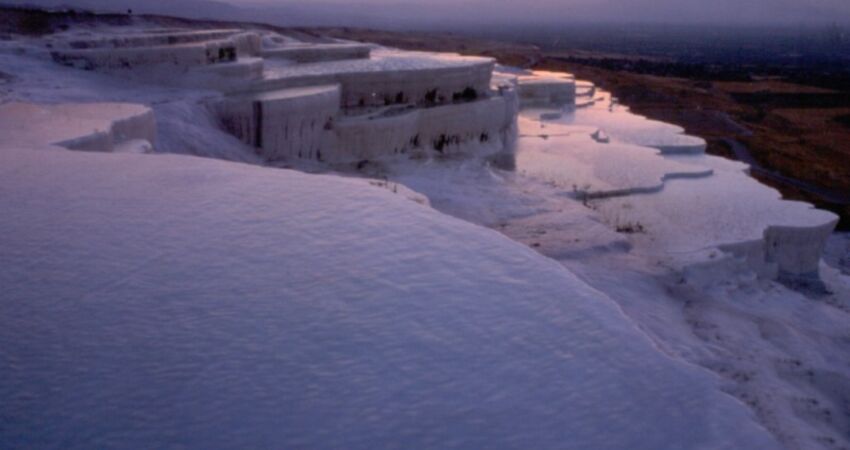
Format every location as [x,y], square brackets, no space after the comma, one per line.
[154,300]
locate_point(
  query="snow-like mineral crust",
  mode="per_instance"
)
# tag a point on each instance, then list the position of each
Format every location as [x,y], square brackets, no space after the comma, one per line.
[543,88]
[389,76]
[159,301]
[93,127]
[698,203]
[570,157]
[617,121]
[285,124]
[308,53]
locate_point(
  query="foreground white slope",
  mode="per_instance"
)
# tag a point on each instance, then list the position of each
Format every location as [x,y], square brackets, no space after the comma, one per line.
[154,300]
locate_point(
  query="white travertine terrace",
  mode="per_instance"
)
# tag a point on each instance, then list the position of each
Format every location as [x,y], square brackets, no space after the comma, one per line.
[100,127]
[182,50]
[541,88]
[152,38]
[306,53]
[585,89]
[593,171]
[649,173]
[389,103]
[618,122]
[486,126]
[390,77]
[345,103]
[286,124]
[334,102]
[241,70]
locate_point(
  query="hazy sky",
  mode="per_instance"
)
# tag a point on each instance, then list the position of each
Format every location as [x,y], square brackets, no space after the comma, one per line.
[411,12]
[740,11]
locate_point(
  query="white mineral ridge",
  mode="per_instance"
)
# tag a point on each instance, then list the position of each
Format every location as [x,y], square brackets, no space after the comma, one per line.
[698,202]
[318,52]
[569,156]
[623,125]
[546,88]
[382,60]
[93,126]
[168,300]
[726,208]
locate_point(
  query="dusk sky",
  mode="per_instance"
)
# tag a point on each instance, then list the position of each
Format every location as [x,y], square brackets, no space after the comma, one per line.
[412,12]
[788,11]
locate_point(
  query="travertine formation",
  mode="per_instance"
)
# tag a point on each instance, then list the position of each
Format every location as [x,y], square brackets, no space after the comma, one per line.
[650,179]
[307,53]
[285,123]
[344,103]
[98,127]
[543,88]
[183,50]
[332,102]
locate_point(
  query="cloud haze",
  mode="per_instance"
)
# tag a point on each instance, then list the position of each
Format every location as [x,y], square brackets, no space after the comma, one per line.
[670,11]
[402,13]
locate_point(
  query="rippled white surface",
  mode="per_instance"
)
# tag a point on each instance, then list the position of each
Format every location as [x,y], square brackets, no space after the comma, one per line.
[163,300]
